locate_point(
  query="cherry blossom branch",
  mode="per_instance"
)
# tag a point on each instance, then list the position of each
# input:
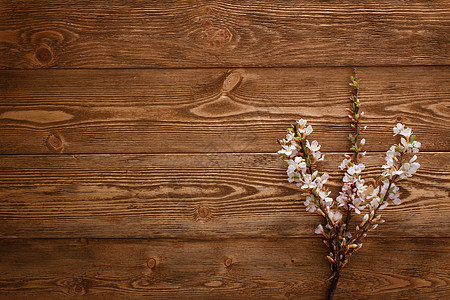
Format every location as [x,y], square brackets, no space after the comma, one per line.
[300,154]
[355,118]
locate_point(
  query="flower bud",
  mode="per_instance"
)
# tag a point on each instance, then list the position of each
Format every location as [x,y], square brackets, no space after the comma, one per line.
[364,220]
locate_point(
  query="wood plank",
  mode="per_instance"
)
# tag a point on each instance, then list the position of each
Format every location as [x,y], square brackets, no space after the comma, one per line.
[161,34]
[194,196]
[247,110]
[258,269]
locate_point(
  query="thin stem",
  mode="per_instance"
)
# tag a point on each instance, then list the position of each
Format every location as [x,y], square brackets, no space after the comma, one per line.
[347,220]
[355,97]
[333,286]
[307,155]
[366,228]
[356,151]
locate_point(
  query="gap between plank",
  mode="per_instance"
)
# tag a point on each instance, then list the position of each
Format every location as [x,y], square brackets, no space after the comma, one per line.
[184,153]
[230,67]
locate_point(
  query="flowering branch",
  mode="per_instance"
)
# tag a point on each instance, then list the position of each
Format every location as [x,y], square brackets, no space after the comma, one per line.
[300,156]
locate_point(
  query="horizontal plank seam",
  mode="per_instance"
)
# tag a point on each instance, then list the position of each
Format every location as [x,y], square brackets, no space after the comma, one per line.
[183,239]
[186,153]
[232,67]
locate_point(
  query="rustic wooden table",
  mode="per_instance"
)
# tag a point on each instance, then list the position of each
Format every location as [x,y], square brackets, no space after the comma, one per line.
[138,140]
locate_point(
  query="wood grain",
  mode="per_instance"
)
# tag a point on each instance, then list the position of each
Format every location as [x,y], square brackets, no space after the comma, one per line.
[226,269]
[174,34]
[194,196]
[214,110]
[138,140]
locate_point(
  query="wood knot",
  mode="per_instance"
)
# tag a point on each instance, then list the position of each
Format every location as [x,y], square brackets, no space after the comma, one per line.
[231,81]
[207,23]
[77,287]
[202,213]
[214,283]
[142,281]
[54,143]
[228,262]
[84,241]
[207,10]
[151,263]
[44,55]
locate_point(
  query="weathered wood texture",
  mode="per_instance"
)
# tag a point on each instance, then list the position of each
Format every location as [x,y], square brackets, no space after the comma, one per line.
[110,34]
[194,196]
[139,160]
[225,269]
[247,110]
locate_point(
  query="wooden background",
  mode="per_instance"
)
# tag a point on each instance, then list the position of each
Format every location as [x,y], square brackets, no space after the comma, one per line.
[138,140]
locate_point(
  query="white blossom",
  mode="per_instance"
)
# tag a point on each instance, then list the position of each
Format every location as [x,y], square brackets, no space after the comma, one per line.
[318,155]
[406,145]
[292,173]
[365,218]
[314,146]
[394,195]
[308,182]
[298,163]
[335,216]
[322,194]
[398,128]
[308,130]
[288,150]
[410,168]
[406,132]
[395,167]
[309,203]
[328,201]
[319,229]
[415,146]
[345,163]
[325,177]
[353,194]
[375,202]
[348,178]
[384,205]
[301,122]
[402,130]
[355,169]
[289,136]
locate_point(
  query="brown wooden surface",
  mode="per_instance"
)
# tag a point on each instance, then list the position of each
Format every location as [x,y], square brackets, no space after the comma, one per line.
[224,268]
[194,196]
[138,140]
[110,34]
[214,110]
